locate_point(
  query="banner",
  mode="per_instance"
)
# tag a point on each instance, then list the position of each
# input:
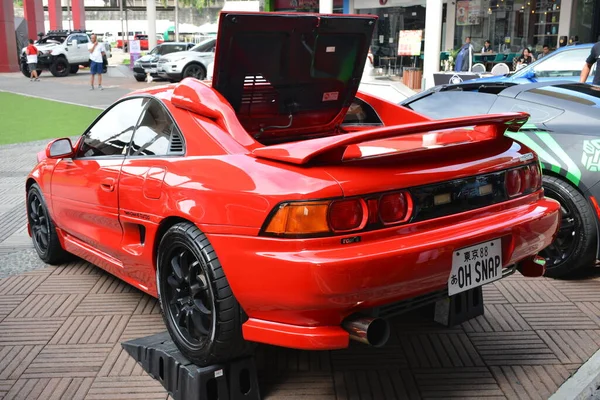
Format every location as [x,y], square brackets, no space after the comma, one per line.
[468,13]
[409,43]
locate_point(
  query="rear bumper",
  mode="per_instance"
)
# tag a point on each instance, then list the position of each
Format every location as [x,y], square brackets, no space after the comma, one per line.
[295,289]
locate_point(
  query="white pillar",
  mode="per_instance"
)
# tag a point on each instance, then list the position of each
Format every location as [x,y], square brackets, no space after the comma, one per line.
[450,25]
[564,24]
[177,20]
[326,6]
[151,13]
[433,41]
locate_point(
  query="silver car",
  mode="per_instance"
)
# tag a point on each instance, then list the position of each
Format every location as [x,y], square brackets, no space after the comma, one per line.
[192,63]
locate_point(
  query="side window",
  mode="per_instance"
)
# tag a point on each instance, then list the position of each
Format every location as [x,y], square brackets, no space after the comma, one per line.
[154,134]
[567,63]
[82,39]
[361,113]
[453,104]
[111,134]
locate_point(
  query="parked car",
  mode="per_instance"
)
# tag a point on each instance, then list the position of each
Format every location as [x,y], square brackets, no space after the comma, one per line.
[188,64]
[285,208]
[148,63]
[143,38]
[62,52]
[563,131]
[565,63]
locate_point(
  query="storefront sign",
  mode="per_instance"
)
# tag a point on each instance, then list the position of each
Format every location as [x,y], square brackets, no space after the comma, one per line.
[409,43]
[468,13]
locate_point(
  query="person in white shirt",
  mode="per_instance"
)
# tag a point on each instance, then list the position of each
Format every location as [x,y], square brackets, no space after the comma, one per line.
[96,62]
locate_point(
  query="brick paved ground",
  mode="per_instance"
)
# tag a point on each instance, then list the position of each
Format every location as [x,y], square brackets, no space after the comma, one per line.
[61,328]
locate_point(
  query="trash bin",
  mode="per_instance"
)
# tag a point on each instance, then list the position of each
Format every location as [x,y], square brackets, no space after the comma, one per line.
[411,77]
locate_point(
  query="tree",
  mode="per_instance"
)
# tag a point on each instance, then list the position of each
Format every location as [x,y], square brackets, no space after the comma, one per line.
[18,3]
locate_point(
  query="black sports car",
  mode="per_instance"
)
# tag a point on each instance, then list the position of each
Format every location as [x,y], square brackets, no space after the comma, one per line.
[564,130]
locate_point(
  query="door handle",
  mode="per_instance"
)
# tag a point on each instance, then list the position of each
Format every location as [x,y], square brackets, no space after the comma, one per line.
[108,184]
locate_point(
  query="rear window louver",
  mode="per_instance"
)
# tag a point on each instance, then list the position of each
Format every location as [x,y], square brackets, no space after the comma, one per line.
[258,96]
[176,143]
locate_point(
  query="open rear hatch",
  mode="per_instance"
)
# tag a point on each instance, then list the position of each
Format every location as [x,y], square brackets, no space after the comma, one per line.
[286,75]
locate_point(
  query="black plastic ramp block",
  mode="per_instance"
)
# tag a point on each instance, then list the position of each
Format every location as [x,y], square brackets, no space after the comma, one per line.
[158,355]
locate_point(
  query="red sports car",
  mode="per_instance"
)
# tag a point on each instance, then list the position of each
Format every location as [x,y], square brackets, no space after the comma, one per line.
[278,204]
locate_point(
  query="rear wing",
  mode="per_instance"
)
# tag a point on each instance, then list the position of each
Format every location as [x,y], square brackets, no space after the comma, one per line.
[408,138]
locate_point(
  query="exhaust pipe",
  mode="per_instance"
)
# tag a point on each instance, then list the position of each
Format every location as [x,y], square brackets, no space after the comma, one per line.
[367,330]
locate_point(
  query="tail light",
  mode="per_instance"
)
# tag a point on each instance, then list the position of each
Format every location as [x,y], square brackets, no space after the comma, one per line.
[393,207]
[346,215]
[523,180]
[320,218]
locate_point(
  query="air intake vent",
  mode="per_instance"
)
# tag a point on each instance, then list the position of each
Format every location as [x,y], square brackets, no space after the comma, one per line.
[176,145]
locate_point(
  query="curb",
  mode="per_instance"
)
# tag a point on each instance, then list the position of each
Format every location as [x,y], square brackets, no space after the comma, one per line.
[583,384]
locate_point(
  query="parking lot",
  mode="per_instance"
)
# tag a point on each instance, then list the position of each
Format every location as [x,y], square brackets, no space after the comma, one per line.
[61,327]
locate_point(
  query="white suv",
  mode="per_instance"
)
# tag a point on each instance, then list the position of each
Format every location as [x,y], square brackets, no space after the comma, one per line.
[192,63]
[61,52]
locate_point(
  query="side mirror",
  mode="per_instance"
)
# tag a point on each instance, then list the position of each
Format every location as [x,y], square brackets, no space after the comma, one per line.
[74,42]
[529,74]
[59,148]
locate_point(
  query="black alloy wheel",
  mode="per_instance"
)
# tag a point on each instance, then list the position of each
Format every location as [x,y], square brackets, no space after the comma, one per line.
[43,232]
[40,223]
[191,300]
[194,71]
[574,247]
[200,311]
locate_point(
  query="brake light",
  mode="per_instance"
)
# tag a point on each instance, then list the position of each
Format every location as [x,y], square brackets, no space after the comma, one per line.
[523,180]
[513,182]
[300,219]
[393,207]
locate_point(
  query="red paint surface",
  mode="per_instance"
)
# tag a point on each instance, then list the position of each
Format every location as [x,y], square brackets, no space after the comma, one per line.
[9,59]
[34,14]
[295,291]
[78,11]
[55,14]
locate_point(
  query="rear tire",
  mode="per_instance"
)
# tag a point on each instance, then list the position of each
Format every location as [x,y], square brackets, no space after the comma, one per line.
[200,311]
[43,231]
[575,246]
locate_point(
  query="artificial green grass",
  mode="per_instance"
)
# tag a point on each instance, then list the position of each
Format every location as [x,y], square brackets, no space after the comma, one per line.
[25,119]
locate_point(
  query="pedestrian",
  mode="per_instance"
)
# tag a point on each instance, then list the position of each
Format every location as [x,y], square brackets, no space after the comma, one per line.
[524,59]
[545,51]
[487,48]
[96,60]
[464,57]
[32,58]
[589,62]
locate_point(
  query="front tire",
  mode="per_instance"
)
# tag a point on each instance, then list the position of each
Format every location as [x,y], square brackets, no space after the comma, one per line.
[43,231]
[200,311]
[73,69]
[140,77]
[575,246]
[26,72]
[60,67]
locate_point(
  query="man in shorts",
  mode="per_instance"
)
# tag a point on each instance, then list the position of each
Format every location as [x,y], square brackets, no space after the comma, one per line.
[96,63]
[589,62]
[32,54]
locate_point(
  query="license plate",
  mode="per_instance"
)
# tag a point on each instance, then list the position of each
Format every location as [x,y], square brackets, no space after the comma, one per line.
[150,70]
[475,266]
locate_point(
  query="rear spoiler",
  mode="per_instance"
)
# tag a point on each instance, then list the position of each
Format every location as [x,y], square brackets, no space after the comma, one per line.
[413,137]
